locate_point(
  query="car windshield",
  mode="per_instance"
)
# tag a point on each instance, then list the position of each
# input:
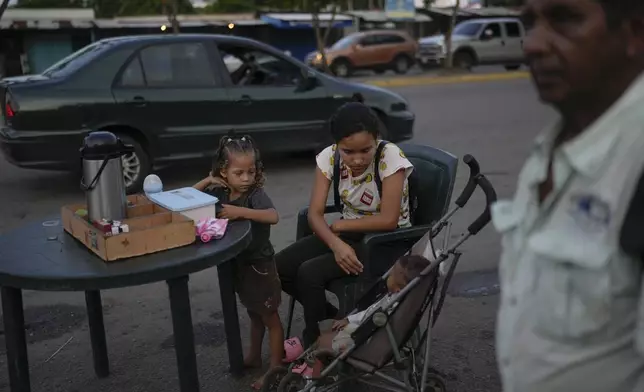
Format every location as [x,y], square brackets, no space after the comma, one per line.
[344,42]
[467,29]
[74,60]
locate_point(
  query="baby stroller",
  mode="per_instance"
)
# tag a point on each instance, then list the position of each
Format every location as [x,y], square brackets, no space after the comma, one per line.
[394,337]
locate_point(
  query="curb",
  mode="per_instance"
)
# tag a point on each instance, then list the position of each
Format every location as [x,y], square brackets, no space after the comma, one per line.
[438,79]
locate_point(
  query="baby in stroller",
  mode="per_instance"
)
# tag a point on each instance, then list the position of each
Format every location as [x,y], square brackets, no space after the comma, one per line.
[339,338]
[412,273]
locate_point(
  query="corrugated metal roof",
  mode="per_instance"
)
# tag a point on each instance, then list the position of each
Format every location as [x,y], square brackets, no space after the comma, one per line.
[485,11]
[305,17]
[381,16]
[49,13]
[47,19]
[254,22]
[446,11]
[118,24]
[198,17]
[184,20]
[130,24]
[68,18]
[493,11]
[44,24]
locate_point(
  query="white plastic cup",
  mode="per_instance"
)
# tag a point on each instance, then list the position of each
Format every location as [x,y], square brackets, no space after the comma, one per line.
[51,228]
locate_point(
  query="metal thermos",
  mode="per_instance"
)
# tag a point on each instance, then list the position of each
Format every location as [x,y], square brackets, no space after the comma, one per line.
[102,180]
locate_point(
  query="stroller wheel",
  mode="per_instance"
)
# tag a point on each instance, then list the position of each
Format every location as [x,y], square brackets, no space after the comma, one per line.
[434,383]
[273,378]
[292,382]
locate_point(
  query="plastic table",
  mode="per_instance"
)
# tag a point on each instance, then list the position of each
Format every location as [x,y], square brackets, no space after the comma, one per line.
[28,261]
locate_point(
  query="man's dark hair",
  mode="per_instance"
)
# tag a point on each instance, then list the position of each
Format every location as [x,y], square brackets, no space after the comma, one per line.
[412,266]
[618,10]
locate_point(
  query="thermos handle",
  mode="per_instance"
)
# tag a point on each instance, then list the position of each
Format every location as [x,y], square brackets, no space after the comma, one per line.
[128,148]
[92,184]
[125,149]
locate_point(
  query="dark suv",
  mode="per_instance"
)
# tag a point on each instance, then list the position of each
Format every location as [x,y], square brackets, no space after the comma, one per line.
[173,97]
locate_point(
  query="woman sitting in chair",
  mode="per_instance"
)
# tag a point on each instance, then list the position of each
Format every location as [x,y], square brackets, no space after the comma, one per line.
[307,266]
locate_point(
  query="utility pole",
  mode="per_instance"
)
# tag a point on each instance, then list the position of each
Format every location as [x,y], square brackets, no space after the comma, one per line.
[449,60]
[171,13]
[174,21]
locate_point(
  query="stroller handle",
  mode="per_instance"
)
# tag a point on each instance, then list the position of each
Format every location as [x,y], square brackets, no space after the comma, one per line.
[490,197]
[470,187]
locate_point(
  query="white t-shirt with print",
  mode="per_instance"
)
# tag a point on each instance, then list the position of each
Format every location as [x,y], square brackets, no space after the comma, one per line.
[359,194]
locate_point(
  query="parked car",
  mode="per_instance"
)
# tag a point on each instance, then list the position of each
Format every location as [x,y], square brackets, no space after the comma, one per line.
[172,97]
[377,50]
[488,41]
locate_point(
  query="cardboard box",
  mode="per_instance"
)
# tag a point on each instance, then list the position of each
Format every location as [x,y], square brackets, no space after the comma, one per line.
[152,229]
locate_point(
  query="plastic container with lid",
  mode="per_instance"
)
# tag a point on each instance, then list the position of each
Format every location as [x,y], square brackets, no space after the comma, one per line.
[190,202]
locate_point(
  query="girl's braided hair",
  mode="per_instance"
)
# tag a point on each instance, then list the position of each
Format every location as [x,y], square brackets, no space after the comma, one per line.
[237,145]
[354,117]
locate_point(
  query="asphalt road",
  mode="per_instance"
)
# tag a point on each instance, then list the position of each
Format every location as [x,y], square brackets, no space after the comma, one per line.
[494,121]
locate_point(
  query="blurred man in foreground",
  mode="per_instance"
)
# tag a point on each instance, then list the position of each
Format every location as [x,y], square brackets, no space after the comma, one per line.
[572,312]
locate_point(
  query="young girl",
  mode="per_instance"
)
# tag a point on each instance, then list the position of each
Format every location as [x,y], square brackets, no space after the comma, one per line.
[237,180]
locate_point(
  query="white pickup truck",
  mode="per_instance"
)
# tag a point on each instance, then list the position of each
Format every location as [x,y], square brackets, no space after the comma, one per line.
[487,41]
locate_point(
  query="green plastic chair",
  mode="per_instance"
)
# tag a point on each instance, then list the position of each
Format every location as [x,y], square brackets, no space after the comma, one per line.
[435,175]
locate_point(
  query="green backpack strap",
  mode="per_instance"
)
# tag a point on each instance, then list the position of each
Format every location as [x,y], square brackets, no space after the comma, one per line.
[336,175]
[336,181]
[378,179]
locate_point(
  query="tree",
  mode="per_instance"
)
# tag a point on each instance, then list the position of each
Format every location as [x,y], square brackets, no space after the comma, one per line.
[106,8]
[449,60]
[322,39]
[152,7]
[230,6]
[428,3]
[3,7]
[273,5]
[113,8]
[172,12]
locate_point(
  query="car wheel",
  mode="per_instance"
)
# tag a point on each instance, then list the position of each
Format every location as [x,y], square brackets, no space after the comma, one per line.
[401,65]
[136,165]
[512,67]
[341,68]
[463,60]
